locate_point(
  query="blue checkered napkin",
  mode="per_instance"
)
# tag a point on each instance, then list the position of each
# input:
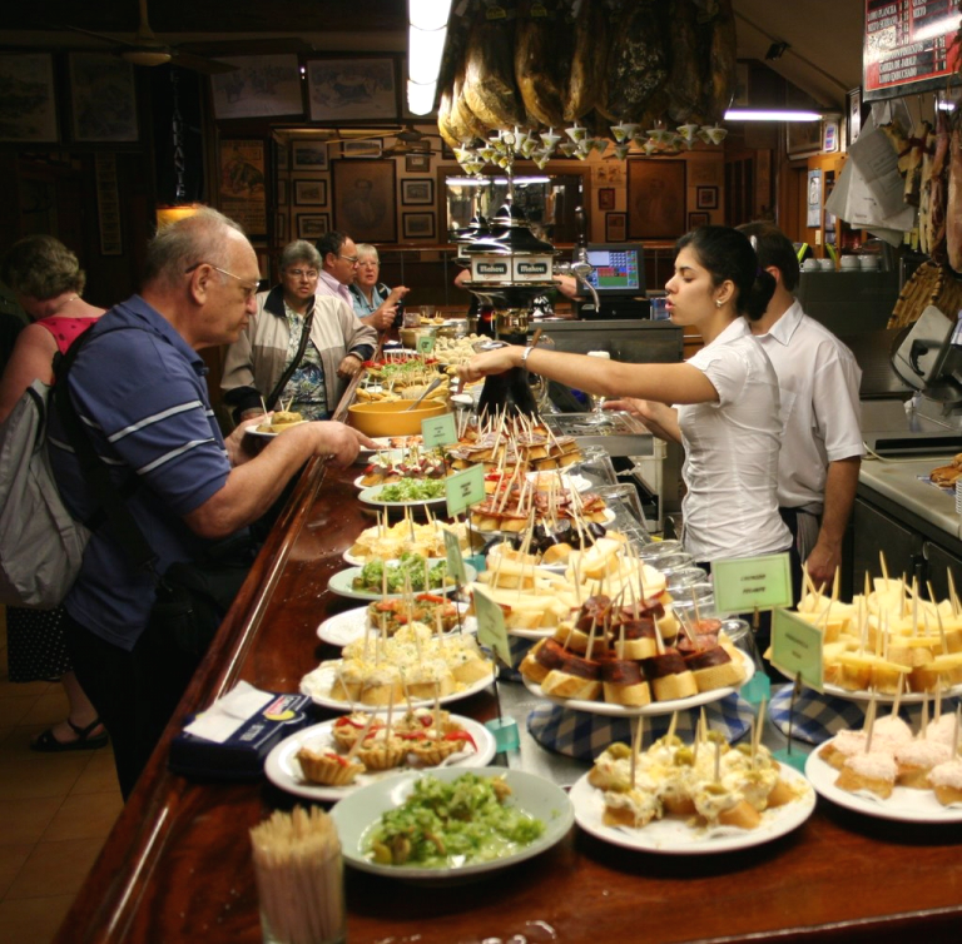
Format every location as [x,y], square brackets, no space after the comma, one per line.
[519,649]
[817,717]
[820,717]
[584,735]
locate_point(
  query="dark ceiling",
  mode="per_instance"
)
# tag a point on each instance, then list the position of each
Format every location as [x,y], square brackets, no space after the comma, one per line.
[208,16]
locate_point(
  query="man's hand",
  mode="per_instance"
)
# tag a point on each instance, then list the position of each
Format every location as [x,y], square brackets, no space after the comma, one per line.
[341,443]
[382,318]
[238,444]
[349,366]
[491,362]
[822,563]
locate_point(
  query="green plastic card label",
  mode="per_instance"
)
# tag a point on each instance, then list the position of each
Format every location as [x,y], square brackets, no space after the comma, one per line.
[797,648]
[439,430]
[491,628]
[425,343]
[464,489]
[742,585]
[455,560]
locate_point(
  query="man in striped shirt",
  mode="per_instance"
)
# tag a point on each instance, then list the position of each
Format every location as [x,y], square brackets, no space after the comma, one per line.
[139,385]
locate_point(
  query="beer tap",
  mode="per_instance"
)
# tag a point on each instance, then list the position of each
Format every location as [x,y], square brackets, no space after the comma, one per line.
[579,267]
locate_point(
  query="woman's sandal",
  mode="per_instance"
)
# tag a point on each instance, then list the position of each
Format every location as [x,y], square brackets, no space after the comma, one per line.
[86,741]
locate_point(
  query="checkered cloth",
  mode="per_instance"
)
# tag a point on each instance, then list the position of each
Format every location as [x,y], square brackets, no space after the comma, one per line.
[584,736]
[820,717]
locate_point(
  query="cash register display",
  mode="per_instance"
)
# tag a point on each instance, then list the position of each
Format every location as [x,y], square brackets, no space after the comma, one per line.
[616,269]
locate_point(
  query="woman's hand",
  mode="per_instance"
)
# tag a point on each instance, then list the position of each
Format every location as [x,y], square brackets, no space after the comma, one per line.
[491,362]
[348,367]
[632,405]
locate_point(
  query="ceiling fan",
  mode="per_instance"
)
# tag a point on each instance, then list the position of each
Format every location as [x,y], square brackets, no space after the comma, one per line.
[148,50]
[409,140]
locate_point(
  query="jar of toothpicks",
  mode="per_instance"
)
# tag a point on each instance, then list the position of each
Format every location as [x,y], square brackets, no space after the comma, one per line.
[300,878]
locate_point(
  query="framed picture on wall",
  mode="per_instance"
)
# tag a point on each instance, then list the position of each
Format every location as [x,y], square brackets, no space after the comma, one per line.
[418,225]
[28,109]
[310,192]
[282,195]
[698,219]
[103,99]
[242,192]
[312,225]
[417,163]
[706,198]
[656,199]
[309,155]
[606,198]
[280,228]
[417,191]
[345,90]
[365,200]
[616,227]
[259,87]
[803,138]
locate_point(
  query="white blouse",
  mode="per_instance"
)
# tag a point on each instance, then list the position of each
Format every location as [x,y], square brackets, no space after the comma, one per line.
[731,453]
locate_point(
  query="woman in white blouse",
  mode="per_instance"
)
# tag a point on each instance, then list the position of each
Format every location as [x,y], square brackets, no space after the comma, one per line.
[721,405]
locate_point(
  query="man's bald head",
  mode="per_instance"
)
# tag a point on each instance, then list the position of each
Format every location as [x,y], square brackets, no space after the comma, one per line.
[207,236]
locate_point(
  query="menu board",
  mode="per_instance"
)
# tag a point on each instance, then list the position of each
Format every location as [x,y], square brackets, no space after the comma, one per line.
[909,46]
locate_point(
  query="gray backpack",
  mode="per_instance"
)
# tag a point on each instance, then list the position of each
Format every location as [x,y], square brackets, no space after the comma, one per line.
[41,545]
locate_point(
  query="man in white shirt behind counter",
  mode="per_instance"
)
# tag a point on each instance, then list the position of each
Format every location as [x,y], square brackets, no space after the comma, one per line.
[818,380]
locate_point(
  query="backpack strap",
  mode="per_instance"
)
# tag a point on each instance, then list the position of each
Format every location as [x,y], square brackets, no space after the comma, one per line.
[111,499]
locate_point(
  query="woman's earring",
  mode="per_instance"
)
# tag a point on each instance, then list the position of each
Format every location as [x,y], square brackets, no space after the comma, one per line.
[718,303]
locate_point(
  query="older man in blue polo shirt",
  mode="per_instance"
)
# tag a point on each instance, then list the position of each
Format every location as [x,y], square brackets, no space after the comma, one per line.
[140,387]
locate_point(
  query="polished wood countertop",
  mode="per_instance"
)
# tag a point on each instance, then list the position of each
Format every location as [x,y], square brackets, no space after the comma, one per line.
[177,866]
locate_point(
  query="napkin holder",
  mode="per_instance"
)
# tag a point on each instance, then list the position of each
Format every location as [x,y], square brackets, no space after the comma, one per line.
[242,755]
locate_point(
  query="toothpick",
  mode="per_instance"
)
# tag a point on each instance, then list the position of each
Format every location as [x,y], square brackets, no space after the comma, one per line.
[870,723]
[637,729]
[885,570]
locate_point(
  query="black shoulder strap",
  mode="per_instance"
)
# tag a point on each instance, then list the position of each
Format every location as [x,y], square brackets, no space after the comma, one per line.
[111,500]
[302,347]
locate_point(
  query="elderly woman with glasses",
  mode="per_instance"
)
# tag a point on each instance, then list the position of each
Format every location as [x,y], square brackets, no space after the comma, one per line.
[301,348]
[374,303]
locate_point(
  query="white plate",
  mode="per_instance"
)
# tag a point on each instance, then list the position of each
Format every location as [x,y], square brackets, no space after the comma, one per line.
[254,431]
[577,482]
[284,771]
[345,627]
[370,496]
[318,685]
[673,836]
[908,698]
[341,584]
[904,805]
[355,816]
[655,708]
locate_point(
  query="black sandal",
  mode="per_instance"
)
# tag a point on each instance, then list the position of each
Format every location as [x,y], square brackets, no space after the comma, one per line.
[48,744]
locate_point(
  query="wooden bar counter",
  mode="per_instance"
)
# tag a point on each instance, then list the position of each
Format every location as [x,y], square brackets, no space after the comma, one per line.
[177,866]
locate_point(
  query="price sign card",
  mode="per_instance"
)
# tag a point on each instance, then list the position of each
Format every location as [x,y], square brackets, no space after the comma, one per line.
[741,585]
[797,648]
[464,489]
[491,628]
[438,430]
[455,560]
[425,343]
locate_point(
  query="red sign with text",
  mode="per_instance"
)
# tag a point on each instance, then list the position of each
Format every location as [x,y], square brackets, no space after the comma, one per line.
[909,43]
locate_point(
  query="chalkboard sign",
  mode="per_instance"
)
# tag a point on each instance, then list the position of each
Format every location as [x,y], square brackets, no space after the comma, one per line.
[909,46]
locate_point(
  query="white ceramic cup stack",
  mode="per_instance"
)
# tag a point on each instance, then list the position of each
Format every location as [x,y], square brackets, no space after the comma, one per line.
[850,263]
[869,263]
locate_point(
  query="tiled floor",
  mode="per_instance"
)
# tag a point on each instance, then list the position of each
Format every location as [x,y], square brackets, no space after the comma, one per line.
[55,811]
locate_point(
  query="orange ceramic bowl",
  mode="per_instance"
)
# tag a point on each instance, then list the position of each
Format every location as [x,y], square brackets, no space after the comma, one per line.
[390,419]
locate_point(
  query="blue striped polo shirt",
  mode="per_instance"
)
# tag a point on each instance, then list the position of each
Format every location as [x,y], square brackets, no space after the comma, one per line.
[142,393]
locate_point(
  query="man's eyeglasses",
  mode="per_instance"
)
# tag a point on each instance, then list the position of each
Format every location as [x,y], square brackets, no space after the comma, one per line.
[249,290]
[351,259]
[302,273]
